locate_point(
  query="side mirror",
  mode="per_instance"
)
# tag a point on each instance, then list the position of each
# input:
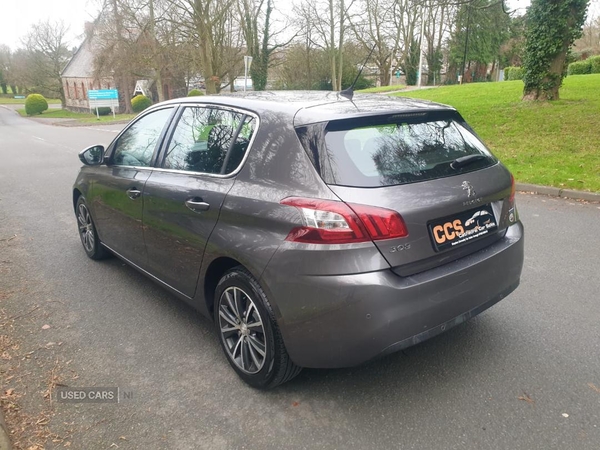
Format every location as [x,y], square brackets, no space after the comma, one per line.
[92,156]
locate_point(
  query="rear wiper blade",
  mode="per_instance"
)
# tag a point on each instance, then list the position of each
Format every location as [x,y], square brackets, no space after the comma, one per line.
[466,160]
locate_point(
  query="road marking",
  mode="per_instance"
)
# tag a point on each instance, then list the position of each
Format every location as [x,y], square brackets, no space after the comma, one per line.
[56,144]
[102,129]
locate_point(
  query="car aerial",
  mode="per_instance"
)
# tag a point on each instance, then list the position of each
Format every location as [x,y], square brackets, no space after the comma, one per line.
[315,230]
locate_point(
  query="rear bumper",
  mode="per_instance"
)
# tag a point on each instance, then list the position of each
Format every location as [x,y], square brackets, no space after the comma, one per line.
[345,320]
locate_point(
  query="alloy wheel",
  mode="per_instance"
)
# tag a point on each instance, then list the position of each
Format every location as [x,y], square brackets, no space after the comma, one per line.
[242,330]
[86,227]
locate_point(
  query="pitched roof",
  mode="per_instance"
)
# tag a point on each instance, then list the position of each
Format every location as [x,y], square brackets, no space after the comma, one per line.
[81,64]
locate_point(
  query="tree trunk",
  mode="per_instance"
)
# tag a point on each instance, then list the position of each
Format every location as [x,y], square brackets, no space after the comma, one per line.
[259,71]
[552,27]
[211,85]
[125,94]
[122,81]
[155,55]
[340,51]
[332,49]
[202,23]
[384,73]
[547,90]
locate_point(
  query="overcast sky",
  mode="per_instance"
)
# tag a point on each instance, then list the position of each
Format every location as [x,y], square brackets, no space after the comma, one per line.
[18,16]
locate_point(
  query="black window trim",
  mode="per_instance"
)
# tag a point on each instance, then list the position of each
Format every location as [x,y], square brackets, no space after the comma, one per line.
[160,160]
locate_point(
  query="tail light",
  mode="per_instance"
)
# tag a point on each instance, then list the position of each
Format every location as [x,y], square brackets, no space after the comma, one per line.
[332,222]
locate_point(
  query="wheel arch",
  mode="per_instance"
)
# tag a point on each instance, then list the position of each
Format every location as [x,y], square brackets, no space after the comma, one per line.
[76,194]
[214,273]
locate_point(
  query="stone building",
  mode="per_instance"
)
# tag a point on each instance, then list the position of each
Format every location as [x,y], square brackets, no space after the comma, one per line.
[78,77]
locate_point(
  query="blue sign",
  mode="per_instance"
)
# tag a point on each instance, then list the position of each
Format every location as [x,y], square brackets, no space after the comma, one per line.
[103,94]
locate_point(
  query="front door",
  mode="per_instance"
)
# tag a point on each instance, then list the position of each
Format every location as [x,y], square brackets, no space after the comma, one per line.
[116,193]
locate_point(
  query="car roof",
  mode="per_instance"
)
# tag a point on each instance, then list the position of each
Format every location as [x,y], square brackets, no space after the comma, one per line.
[308,107]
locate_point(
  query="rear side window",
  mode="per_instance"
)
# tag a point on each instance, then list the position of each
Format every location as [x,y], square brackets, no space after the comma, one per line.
[209,140]
[394,152]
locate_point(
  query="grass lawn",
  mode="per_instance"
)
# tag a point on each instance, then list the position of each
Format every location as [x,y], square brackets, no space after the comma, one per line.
[21,101]
[551,143]
[80,117]
[377,90]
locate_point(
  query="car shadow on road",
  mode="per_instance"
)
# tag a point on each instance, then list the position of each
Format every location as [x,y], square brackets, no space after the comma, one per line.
[447,359]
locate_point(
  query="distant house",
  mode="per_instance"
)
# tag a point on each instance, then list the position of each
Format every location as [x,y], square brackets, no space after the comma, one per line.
[78,76]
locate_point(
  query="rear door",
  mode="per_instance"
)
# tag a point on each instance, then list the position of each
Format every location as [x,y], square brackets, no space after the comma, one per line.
[433,170]
[183,197]
[116,194]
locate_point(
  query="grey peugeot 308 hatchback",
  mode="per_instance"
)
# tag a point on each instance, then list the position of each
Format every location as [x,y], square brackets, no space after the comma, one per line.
[316,231]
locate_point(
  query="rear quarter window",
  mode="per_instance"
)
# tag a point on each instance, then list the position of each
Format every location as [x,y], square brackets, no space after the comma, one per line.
[392,150]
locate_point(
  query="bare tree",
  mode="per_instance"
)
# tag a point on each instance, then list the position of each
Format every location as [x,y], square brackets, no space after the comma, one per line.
[371,26]
[436,27]
[47,56]
[5,59]
[205,23]
[330,26]
[589,43]
[256,18]
[405,16]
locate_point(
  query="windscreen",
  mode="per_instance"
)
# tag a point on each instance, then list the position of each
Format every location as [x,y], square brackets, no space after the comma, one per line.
[398,152]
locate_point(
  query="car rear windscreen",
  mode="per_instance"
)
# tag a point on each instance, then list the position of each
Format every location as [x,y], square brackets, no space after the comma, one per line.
[394,150]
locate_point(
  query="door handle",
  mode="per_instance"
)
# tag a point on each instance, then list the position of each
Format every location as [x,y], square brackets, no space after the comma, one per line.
[133,193]
[196,204]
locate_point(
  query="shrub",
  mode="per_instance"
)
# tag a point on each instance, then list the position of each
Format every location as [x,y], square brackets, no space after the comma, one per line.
[195,93]
[140,103]
[103,110]
[580,67]
[35,104]
[594,63]
[513,73]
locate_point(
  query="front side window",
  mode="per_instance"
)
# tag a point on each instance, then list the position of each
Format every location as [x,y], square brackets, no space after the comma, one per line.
[136,145]
[209,140]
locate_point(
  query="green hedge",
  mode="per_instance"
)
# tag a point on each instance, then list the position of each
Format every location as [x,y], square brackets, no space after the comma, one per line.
[513,73]
[140,103]
[35,104]
[595,63]
[103,110]
[580,67]
[587,66]
[195,93]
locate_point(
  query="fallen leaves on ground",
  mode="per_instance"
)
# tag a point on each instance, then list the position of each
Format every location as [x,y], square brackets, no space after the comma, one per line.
[526,398]
[593,387]
[30,429]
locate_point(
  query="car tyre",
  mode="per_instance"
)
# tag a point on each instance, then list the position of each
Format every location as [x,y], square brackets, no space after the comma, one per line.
[87,232]
[248,332]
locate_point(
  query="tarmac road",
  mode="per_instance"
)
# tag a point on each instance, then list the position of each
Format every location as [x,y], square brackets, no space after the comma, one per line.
[523,375]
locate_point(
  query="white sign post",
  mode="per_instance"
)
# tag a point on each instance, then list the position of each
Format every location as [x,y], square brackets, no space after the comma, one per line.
[247,64]
[103,97]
